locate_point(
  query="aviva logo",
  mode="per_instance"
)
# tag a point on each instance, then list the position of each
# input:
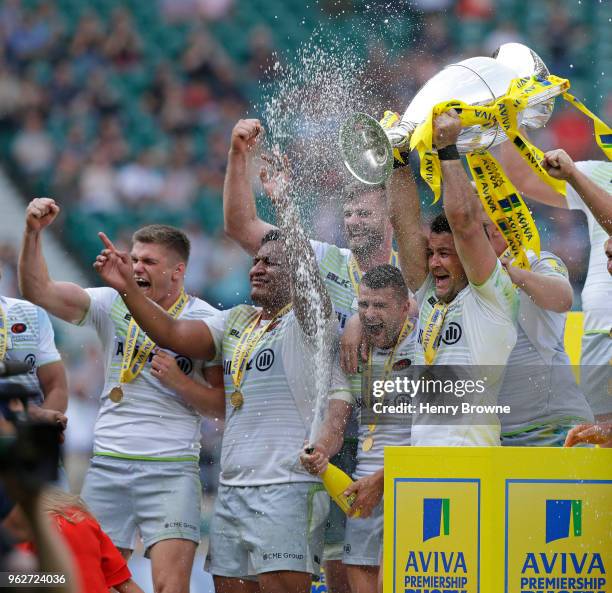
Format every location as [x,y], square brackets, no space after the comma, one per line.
[436,517]
[560,515]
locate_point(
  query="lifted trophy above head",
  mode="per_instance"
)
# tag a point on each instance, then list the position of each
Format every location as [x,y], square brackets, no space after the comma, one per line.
[367,147]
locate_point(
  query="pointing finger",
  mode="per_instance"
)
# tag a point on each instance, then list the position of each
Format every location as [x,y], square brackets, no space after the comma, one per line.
[107,242]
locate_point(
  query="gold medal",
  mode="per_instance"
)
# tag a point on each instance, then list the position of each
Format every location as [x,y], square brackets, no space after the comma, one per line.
[368,443]
[116,394]
[237,399]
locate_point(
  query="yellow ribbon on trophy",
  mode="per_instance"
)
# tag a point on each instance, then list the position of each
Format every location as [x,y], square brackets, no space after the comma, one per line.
[505,207]
[130,369]
[244,349]
[603,132]
[3,334]
[431,333]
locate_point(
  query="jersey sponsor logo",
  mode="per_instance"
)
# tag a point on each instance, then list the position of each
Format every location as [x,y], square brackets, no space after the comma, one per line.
[336,279]
[119,351]
[128,317]
[234,332]
[341,318]
[19,328]
[452,334]
[264,360]
[184,363]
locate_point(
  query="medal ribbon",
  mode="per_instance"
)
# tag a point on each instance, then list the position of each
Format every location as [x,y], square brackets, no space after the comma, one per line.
[131,369]
[248,342]
[431,332]
[355,272]
[3,334]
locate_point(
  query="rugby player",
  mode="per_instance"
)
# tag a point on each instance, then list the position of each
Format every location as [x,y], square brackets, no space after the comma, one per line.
[369,236]
[601,433]
[467,304]
[388,328]
[26,335]
[144,473]
[588,189]
[267,526]
[539,386]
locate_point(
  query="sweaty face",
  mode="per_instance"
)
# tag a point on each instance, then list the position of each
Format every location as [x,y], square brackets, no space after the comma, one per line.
[608,247]
[269,276]
[381,312]
[156,269]
[445,266]
[365,222]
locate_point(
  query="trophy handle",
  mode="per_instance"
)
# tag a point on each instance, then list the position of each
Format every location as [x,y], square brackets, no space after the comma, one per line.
[367,149]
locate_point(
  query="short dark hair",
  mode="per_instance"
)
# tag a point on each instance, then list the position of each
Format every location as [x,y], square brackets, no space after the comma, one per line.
[272,235]
[356,188]
[170,237]
[385,276]
[440,225]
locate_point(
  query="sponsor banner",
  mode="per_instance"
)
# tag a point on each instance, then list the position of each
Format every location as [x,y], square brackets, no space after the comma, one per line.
[497,520]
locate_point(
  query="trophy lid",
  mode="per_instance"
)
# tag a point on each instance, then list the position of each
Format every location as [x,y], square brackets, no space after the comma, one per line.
[523,60]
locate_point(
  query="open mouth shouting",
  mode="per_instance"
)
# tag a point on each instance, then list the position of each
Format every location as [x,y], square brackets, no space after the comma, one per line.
[142,282]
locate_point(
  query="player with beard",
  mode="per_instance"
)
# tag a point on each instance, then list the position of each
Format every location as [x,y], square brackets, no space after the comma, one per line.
[267,527]
[467,304]
[389,334]
[369,236]
[144,474]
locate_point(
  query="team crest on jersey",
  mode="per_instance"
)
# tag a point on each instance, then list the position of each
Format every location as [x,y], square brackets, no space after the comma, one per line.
[264,360]
[452,334]
[19,328]
[30,359]
[185,364]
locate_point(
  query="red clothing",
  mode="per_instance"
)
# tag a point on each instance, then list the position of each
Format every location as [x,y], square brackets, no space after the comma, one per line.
[99,563]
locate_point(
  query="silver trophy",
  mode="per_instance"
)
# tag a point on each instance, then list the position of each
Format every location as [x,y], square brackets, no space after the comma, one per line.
[367,148]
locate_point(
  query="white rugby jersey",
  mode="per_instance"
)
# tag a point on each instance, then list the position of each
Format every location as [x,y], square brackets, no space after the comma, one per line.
[30,339]
[597,290]
[479,329]
[348,388]
[263,439]
[550,395]
[151,421]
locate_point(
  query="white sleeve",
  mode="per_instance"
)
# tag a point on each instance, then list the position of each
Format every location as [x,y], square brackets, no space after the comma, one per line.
[216,325]
[100,303]
[340,385]
[421,293]
[319,248]
[492,310]
[574,201]
[550,265]
[497,297]
[47,352]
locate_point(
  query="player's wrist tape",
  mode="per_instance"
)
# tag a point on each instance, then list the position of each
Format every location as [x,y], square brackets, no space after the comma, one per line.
[449,153]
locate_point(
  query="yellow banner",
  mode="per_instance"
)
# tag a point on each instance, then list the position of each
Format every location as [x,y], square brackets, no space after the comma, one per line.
[497,520]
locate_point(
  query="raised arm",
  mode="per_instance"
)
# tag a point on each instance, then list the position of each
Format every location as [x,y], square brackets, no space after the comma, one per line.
[461,206]
[65,300]
[309,305]
[405,215]
[559,165]
[525,180]
[330,438]
[189,337]
[553,293]
[239,212]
